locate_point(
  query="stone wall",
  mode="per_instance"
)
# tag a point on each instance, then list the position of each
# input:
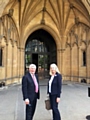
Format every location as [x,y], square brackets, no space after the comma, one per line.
[68,22]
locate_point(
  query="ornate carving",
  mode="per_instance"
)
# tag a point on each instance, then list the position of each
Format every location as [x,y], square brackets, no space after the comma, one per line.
[10,12]
[19,0]
[43,21]
[44,9]
[77,20]
[71,6]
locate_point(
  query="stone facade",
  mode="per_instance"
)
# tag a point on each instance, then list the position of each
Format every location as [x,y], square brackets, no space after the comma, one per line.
[68,22]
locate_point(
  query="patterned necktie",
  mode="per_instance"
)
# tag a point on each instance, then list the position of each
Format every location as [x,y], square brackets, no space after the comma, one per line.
[35,82]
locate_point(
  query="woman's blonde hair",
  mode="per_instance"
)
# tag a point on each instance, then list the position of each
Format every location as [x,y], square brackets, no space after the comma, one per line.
[55,67]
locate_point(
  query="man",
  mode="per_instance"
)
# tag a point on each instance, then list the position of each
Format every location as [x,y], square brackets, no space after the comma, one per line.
[30,90]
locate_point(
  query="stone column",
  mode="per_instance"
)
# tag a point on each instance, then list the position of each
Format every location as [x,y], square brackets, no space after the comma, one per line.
[71,64]
[22,59]
[12,60]
[17,52]
[18,63]
[88,64]
[6,59]
[88,56]
[79,79]
[60,60]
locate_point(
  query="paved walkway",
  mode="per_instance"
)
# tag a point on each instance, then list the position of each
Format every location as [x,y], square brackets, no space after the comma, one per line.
[74,104]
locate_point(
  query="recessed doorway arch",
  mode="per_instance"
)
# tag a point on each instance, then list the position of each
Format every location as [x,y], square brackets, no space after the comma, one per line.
[40,49]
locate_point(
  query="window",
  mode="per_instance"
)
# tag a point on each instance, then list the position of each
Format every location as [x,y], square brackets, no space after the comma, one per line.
[36,46]
[84,58]
[0,57]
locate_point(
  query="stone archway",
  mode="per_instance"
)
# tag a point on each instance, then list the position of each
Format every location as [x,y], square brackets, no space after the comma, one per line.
[40,49]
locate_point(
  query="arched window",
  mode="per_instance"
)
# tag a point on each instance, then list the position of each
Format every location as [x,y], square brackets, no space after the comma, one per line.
[0,56]
[36,46]
[36,51]
[84,58]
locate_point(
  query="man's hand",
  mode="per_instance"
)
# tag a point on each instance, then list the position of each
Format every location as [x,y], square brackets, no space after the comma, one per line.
[26,101]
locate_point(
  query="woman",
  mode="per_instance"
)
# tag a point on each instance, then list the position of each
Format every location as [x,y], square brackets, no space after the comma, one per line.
[54,90]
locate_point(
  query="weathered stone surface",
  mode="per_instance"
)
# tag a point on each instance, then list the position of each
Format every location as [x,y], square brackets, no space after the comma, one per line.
[67,22]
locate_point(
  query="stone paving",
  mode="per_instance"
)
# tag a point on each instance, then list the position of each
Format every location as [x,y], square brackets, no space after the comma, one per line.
[74,104]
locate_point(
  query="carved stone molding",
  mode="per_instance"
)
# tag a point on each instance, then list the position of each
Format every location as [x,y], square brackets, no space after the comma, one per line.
[87,4]
[10,14]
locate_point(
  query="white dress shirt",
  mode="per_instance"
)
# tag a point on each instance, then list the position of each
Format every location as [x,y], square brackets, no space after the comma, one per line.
[50,83]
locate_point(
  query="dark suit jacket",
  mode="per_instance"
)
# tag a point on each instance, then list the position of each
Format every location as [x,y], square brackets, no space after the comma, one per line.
[56,85]
[28,87]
